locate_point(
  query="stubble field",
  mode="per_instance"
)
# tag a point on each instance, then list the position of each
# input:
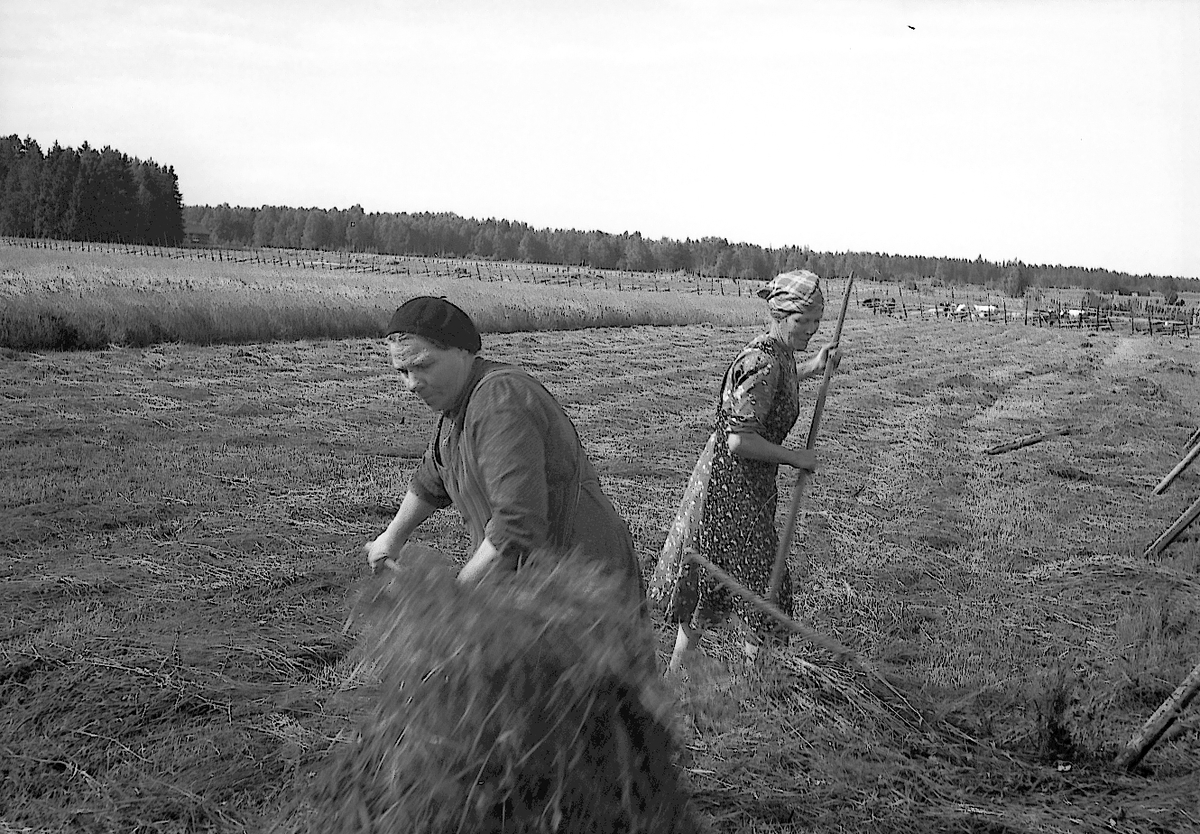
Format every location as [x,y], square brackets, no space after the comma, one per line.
[182,529]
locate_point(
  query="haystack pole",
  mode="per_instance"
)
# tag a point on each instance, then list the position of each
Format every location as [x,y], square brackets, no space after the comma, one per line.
[1193,440]
[1160,544]
[789,528]
[1192,454]
[1027,440]
[1158,723]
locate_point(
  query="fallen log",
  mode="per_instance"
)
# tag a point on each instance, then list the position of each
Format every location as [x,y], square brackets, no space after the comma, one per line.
[1158,723]
[1028,440]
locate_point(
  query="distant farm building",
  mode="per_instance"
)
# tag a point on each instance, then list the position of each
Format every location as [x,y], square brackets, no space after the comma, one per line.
[196,236]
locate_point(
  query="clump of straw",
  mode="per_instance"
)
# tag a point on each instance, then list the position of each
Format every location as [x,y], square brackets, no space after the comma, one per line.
[529,703]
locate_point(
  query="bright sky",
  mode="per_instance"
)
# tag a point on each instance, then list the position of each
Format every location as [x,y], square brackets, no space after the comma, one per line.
[1053,131]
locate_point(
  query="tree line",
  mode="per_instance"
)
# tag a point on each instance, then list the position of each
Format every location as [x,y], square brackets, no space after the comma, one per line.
[106,195]
[446,234]
[87,194]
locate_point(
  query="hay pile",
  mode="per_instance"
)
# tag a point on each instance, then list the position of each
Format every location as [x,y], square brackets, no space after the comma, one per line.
[526,704]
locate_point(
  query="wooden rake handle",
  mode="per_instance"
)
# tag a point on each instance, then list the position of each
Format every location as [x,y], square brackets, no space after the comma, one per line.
[811,635]
[789,528]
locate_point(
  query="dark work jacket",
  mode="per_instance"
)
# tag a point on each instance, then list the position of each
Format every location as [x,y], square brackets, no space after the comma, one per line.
[508,458]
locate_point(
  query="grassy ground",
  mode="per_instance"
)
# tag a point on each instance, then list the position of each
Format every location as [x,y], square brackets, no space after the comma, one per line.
[182,525]
[69,299]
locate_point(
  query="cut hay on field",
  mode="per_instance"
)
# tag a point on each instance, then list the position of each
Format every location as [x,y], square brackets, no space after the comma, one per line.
[529,703]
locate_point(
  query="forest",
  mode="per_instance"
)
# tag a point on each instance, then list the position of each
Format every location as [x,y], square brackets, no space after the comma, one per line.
[445,234]
[108,196]
[87,194]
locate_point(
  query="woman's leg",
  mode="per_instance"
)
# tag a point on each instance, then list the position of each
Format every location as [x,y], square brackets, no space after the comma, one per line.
[754,643]
[686,638]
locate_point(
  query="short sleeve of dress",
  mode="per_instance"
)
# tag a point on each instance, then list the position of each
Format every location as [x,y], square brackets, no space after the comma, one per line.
[749,390]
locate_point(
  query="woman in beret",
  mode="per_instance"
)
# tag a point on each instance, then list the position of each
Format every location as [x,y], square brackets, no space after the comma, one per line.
[727,513]
[504,454]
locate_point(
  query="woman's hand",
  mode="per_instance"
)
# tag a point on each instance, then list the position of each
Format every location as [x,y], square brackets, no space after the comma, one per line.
[830,353]
[816,366]
[385,546]
[413,510]
[804,459]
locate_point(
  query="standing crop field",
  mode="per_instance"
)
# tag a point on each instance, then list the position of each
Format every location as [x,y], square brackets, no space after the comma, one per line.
[182,529]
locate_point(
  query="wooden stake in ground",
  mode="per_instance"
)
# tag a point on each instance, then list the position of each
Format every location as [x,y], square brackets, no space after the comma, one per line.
[1028,440]
[1160,544]
[1162,718]
[789,528]
[1179,467]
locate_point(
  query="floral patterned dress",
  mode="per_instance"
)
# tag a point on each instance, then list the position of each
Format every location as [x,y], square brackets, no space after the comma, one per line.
[728,510]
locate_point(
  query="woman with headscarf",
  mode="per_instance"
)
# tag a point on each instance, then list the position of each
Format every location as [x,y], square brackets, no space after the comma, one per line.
[727,513]
[504,454]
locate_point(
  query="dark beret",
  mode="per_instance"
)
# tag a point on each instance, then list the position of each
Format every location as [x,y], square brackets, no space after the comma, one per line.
[438,319]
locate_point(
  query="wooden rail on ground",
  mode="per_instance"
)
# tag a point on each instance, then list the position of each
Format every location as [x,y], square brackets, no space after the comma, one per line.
[1193,440]
[1160,544]
[1158,723]
[1192,454]
[1028,440]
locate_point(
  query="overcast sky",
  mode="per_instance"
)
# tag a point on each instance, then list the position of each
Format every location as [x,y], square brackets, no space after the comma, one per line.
[1050,131]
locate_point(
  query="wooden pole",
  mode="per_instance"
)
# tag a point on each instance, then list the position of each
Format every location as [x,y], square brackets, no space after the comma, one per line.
[1160,544]
[815,637]
[789,528]
[1179,467]
[1028,440]
[1158,723]
[1193,440]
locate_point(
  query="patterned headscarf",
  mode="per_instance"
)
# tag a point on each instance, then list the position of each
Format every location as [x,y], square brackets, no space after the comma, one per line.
[792,292]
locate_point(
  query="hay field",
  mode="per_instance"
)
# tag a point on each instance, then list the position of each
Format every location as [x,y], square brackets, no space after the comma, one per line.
[67,297]
[182,524]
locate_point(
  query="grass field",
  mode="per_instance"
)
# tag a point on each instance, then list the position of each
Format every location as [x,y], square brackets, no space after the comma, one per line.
[68,299]
[62,295]
[182,529]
